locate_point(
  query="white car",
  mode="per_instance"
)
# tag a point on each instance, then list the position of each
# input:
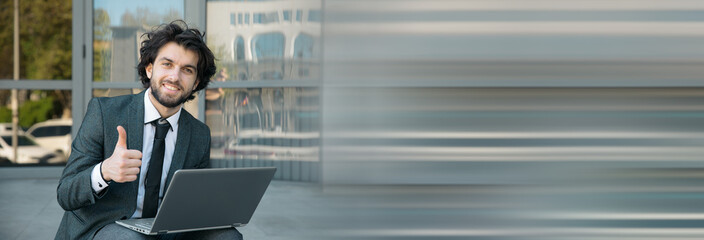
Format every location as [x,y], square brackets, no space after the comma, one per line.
[29,151]
[54,134]
[6,128]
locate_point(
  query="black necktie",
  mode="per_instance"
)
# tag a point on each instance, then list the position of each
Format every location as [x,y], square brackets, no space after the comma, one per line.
[153,178]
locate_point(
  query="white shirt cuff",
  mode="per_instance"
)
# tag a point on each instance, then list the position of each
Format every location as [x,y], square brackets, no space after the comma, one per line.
[97,181]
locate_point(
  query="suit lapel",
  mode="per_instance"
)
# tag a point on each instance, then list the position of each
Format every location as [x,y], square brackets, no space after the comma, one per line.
[135,131]
[183,138]
[135,122]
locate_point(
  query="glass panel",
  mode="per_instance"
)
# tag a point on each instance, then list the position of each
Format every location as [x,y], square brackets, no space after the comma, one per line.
[239,49]
[265,18]
[314,16]
[44,132]
[281,51]
[268,48]
[112,92]
[268,45]
[303,47]
[287,15]
[117,27]
[264,125]
[257,18]
[22,141]
[241,67]
[6,39]
[45,39]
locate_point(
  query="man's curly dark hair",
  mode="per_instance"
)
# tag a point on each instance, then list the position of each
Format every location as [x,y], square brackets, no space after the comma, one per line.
[189,38]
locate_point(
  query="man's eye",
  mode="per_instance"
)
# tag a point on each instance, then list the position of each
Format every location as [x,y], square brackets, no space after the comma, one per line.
[188,70]
[166,64]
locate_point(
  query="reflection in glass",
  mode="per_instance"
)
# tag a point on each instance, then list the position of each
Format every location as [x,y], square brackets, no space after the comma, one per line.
[269,51]
[117,27]
[303,47]
[287,15]
[45,32]
[6,41]
[21,141]
[268,45]
[264,127]
[266,18]
[241,67]
[44,133]
[274,46]
[110,92]
[239,49]
[314,16]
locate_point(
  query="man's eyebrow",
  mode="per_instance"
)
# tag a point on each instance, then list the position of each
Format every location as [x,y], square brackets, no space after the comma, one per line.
[191,66]
[169,60]
[165,59]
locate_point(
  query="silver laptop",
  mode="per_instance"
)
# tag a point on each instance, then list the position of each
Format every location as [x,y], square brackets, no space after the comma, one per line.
[202,199]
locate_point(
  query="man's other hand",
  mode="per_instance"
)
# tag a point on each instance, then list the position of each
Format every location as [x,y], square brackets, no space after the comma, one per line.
[124,164]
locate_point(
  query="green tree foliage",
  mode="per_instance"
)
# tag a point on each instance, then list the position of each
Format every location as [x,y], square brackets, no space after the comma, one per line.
[101,25]
[45,39]
[30,112]
[5,115]
[101,45]
[6,18]
[45,53]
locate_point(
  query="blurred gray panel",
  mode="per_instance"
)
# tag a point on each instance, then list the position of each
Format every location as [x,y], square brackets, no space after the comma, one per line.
[280,170]
[286,170]
[306,171]
[239,162]
[316,170]
[417,92]
[296,170]
[442,135]
[534,73]
[124,54]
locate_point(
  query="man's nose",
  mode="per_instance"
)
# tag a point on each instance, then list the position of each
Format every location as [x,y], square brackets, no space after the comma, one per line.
[173,73]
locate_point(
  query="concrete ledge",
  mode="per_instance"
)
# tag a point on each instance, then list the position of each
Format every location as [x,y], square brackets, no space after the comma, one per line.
[30,172]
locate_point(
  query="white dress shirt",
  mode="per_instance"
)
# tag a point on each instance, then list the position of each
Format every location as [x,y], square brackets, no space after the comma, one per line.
[150,114]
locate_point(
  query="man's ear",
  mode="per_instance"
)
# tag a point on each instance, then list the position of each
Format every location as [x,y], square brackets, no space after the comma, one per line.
[195,85]
[148,69]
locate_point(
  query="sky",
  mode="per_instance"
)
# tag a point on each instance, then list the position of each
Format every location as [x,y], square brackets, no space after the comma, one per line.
[117,8]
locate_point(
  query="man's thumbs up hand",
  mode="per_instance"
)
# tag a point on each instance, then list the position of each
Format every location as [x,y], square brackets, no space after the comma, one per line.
[124,164]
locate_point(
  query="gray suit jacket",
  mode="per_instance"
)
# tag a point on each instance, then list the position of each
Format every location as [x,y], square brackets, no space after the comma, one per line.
[87,212]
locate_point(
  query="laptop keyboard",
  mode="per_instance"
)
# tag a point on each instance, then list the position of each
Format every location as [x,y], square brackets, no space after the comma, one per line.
[144,224]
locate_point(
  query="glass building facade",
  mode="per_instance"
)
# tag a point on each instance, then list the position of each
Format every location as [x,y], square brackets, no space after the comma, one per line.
[554,118]
[367,87]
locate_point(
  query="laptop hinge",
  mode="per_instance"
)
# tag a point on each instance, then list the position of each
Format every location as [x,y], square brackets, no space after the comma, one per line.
[238,225]
[163,232]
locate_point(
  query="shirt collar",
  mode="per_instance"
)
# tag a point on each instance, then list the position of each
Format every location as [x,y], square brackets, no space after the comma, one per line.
[151,114]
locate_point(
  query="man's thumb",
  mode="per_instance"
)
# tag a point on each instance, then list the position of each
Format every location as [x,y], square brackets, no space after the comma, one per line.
[122,137]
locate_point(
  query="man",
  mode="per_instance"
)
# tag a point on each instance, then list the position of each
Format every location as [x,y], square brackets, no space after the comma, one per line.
[128,147]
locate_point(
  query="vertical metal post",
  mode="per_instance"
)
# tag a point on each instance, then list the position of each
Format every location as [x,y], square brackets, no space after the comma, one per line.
[16,77]
[194,14]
